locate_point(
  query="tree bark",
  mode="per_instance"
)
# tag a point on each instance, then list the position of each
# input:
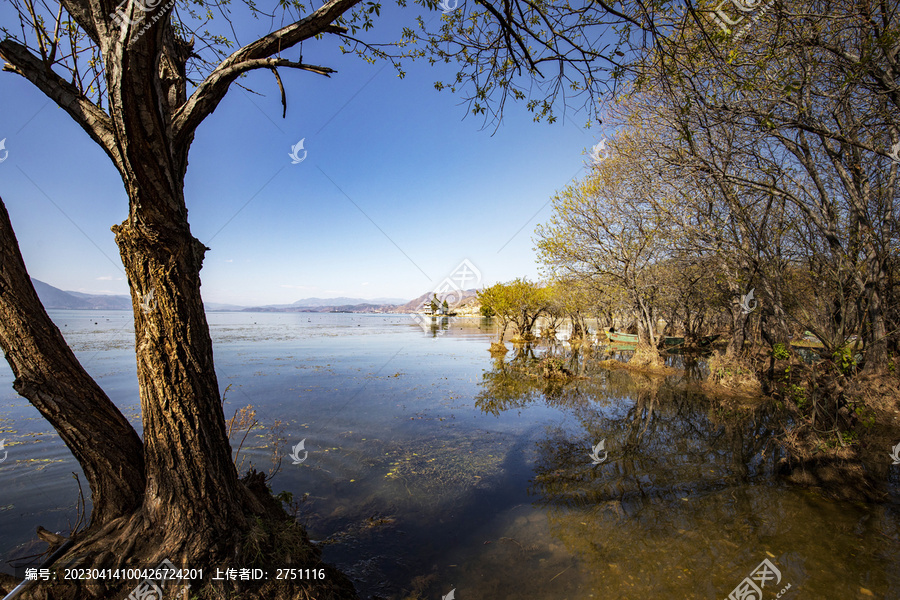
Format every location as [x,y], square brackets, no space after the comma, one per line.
[51,378]
[738,332]
[193,492]
[193,495]
[876,357]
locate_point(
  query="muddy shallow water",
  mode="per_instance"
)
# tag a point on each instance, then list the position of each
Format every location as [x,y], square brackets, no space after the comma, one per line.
[432,467]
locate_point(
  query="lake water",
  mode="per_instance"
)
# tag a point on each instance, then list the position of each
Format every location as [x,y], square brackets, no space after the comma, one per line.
[433,467]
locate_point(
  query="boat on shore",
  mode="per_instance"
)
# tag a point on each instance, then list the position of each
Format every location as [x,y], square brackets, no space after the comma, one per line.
[631,338]
[622,338]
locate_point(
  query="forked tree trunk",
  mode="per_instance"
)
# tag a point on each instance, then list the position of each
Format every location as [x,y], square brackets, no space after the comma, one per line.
[184,502]
[178,497]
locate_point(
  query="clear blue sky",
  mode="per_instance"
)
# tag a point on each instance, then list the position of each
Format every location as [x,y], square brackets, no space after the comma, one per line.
[430,188]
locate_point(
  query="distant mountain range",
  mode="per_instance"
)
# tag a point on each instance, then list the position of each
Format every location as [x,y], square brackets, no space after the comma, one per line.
[56,298]
[341,304]
[346,301]
[360,305]
[52,297]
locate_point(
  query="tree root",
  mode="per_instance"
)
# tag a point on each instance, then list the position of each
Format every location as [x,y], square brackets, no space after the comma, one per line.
[270,540]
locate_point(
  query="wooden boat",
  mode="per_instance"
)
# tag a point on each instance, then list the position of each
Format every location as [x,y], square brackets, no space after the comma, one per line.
[809,340]
[630,338]
[622,338]
[706,340]
[804,343]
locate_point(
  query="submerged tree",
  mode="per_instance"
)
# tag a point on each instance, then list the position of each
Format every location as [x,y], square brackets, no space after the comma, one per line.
[519,302]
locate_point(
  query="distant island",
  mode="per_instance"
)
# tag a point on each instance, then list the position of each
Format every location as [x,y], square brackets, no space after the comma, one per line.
[55,298]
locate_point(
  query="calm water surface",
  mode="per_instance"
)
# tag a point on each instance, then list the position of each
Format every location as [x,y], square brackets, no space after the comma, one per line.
[434,467]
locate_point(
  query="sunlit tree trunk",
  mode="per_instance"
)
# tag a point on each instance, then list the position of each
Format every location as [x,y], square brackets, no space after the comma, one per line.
[193,493]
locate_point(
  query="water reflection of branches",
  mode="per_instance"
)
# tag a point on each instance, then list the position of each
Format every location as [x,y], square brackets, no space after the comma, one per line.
[515,383]
[664,440]
[686,483]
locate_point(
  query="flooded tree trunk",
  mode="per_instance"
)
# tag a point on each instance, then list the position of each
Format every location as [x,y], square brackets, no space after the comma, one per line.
[578,329]
[177,495]
[192,507]
[193,501]
[646,323]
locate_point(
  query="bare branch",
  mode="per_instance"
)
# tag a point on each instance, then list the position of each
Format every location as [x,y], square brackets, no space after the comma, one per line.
[256,55]
[92,119]
[283,97]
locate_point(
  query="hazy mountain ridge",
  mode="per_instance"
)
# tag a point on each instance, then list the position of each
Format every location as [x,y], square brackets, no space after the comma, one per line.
[343,301]
[55,298]
[360,308]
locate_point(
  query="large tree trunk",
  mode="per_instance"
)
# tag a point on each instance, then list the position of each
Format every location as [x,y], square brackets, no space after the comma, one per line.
[193,492]
[51,378]
[646,323]
[193,496]
[178,496]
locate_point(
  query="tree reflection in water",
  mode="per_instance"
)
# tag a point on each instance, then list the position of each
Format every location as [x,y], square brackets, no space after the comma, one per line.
[686,498]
